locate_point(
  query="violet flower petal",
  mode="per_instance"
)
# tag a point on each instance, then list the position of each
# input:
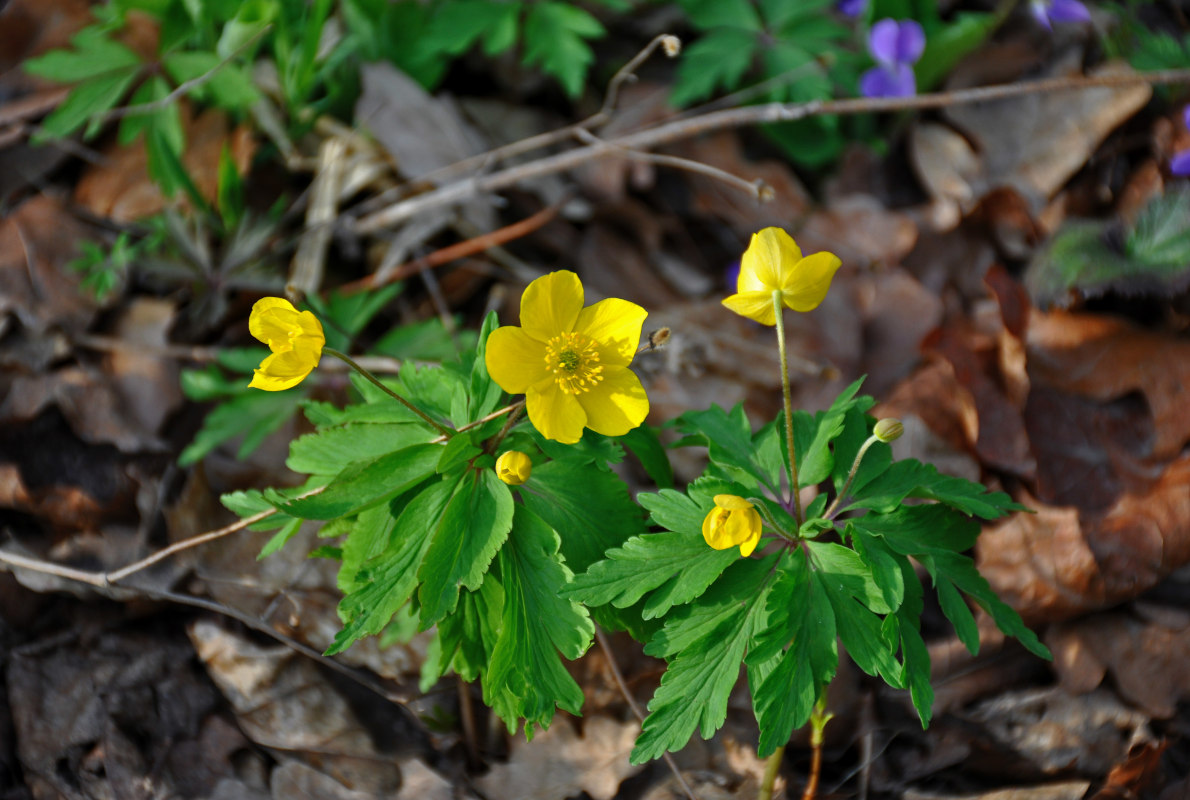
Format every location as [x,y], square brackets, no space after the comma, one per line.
[882,41]
[1186,117]
[1068,11]
[911,42]
[1180,163]
[1040,12]
[852,8]
[896,81]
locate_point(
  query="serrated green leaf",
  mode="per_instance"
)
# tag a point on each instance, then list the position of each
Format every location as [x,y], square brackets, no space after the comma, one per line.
[644,444]
[950,43]
[458,24]
[885,566]
[718,59]
[459,451]
[94,54]
[840,569]
[710,642]
[485,393]
[911,478]
[918,530]
[956,610]
[707,14]
[390,579]
[813,441]
[537,626]
[857,427]
[369,536]
[253,415]
[333,449]
[474,525]
[364,484]
[229,85]
[729,441]
[87,103]
[862,634]
[681,564]
[589,507]
[555,38]
[249,503]
[914,653]
[467,638]
[800,637]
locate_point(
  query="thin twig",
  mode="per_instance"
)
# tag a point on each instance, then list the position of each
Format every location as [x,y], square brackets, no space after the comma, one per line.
[184,87]
[459,250]
[736,117]
[100,580]
[757,188]
[615,668]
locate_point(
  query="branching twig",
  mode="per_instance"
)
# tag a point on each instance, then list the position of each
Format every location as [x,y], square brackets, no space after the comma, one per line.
[620,682]
[737,117]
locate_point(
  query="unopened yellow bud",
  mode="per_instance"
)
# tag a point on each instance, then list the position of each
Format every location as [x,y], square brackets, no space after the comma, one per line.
[513,467]
[888,429]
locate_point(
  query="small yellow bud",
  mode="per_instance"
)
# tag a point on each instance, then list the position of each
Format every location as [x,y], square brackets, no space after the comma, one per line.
[513,467]
[733,521]
[888,429]
[672,45]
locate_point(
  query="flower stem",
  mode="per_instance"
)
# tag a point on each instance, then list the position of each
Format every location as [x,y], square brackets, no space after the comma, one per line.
[772,765]
[830,512]
[494,442]
[793,482]
[349,361]
[818,719]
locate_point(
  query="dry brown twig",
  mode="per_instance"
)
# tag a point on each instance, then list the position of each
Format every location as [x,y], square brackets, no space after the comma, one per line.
[677,130]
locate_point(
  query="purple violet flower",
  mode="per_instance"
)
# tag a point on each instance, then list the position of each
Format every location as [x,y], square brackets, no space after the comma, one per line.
[896,46]
[1047,12]
[1180,163]
[852,8]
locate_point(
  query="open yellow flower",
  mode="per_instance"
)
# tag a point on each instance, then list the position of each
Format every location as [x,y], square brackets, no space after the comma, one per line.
[733,521]
[571,362]
[773,262]
[295,337]
[514,467]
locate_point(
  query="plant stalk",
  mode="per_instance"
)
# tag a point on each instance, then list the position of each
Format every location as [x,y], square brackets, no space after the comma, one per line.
[793,481]
[830,512]
[772,766]
[349,361]
[818,719]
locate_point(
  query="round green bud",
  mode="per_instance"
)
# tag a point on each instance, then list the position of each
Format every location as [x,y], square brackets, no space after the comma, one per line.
[888,429]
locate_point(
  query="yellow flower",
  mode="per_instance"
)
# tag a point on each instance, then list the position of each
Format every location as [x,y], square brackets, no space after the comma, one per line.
[513,467]
[295,337]
[732,521]
[571,362]
[773,262]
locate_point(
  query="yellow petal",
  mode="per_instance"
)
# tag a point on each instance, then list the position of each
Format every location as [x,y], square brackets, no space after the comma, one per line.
[514,359]
[311,329]
[770,254]
[753,305]
[748,546]
[617,404]
[732,502]
[271,320]
[615,324]
[805,287]
[551,304]
[514,467]
[281,371]
[556,414]
[714,530]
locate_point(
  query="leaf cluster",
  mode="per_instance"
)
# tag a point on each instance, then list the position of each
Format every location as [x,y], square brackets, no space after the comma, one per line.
[424,530]
[846,574]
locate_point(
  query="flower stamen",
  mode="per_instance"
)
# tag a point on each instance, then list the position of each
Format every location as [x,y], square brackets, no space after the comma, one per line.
[573,360]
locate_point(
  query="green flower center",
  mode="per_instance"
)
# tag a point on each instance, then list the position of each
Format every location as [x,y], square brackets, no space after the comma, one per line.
[573,359]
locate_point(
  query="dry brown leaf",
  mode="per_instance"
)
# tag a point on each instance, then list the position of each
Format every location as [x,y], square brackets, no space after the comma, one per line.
[1146,658]
[37,240]
[1031,144]
[1135,776]
[120,188]
[559,763]
[1066,790]
[1105,358]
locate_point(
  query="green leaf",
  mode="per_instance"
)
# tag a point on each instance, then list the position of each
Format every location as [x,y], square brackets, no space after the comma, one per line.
[589,507]
[920,530]
[364,484]
[800,632]
[230,192]
[253,415]
[485,394]
[555,37]
[913,648]
[537,626]
[332,449]
[911,478]
[458,453]
[885,565]
[857,427]
[229,85]
[813,440]
[87,102]
[706,14]
[474,525]
[956,610]
[861,633]
[718,59]
[467,638]
[730,445]
[370,535]
[389,581]
[94,55]
[458,24]
[950,43]
[251,502]
[841,570]
[683,566]
[709,641]
[644,444]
